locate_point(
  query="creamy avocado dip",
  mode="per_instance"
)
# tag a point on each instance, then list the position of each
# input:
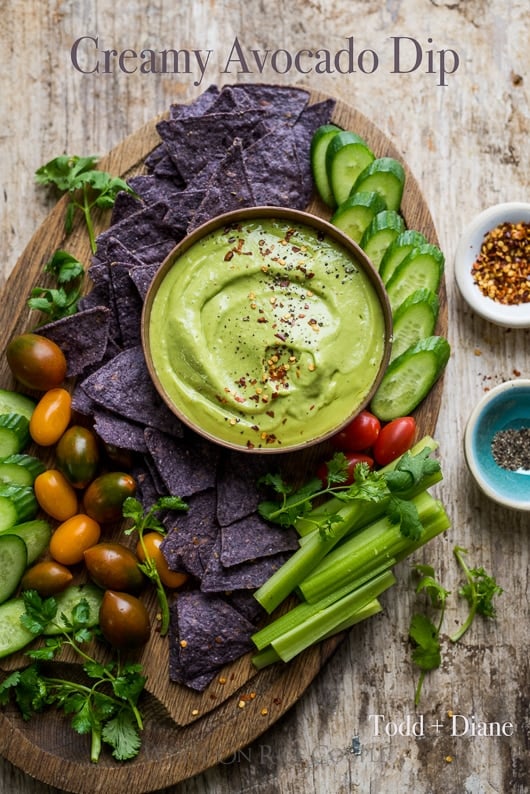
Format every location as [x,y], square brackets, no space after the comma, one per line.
[266,334]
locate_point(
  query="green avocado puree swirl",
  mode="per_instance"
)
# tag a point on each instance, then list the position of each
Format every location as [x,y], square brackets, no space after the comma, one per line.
[266,334]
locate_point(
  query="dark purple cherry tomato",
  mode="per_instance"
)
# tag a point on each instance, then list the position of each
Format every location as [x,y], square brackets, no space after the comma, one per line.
[353,458]
[77,455]
[36,361]
[47,578]
[394,439]
[361,433]
[104,497]
[124,620]
[113,566]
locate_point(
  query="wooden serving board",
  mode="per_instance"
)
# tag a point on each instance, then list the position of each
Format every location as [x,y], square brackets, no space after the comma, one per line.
[185,732]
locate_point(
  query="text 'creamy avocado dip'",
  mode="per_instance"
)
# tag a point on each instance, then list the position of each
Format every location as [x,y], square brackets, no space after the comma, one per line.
[266,334]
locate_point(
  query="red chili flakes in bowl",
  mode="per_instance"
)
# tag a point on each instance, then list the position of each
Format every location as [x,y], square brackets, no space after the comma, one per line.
[502,268]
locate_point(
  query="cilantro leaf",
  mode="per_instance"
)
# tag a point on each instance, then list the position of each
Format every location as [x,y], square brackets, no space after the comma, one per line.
[424,633]
[121,734]
[60,301]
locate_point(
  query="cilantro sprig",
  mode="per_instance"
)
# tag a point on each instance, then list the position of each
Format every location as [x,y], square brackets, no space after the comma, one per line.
[425,633]
[149,521]
[105,706]
[479,591]
[60,301]
[86,186]
[369,486]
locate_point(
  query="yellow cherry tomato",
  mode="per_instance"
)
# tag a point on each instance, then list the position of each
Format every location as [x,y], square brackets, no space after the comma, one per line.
[55,495]
[152,541]
[51,417]
[73,537]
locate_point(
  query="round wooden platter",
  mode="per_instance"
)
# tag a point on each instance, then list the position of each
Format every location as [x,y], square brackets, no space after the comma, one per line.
[185,732]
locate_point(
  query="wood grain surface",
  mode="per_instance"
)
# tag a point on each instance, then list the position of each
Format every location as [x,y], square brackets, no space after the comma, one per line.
[466,143]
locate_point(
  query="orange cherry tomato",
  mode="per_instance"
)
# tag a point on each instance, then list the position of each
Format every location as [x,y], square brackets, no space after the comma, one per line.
[73,537]
[152,542]
[113,566]
[36,361]
[55,494]
[77,455]
[51,417]
[124,620]
[47,578]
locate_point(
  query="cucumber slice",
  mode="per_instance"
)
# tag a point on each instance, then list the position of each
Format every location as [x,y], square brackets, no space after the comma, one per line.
[414,320]
[398,250]
[13,562]
[17,504]
[70,598]
[319,146]
[410,377]
[36,535]
[421,269]
[14,433]
[356,213]
[381,232]
[385,176]
[347,155]
[12,473]
[13,635]
[30,463]
[12,402]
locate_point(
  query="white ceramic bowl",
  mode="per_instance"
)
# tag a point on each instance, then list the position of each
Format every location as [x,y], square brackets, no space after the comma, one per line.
[516,316]
[505,407]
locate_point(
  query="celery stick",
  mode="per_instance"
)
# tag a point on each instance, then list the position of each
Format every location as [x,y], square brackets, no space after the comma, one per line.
[267,656]
[306,524]
[377,542]
[354,515]
[327,620]
[371,609]
[303,611]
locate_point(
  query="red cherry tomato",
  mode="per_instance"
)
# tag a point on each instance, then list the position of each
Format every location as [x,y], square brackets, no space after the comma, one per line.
[394,439]
[361,433]
[353,459]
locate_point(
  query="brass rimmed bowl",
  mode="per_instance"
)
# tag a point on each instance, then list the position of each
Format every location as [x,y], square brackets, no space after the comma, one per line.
[266,330]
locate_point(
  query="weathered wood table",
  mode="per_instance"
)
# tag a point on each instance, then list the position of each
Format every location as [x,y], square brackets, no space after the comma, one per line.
[448,83]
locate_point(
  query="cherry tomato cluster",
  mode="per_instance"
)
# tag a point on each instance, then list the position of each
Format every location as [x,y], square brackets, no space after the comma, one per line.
[83,499]
[366,440]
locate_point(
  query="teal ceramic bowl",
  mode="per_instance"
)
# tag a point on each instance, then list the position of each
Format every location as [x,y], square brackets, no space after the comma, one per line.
[498,419]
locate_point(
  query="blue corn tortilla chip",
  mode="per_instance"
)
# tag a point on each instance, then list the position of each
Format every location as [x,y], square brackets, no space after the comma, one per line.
[123,386]
[282,104]
[251,538]
[274,169]
[142,278]
[228,188]
[238,494]
[209,633]
[245,576]
[83,337]
[119,432]
[128,304]
[191,535]
[187,465]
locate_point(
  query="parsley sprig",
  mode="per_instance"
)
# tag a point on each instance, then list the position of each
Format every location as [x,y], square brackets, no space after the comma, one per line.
[148,521]
[369,486]
[86,186]
[60,301]
[106,707]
